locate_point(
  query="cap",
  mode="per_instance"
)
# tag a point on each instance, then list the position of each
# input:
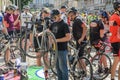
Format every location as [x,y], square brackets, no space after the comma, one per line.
[55,12]
[63,7]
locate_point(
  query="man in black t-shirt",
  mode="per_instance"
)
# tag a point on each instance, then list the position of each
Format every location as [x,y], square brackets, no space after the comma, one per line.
[96,31]
[96,39]
[61,31]
[79,30]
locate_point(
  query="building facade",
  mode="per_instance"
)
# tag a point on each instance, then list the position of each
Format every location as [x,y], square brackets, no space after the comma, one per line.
[38,4]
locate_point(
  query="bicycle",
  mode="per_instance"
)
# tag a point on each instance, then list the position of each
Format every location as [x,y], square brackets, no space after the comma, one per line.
[8,52]
[101,68]
[47,46]
[78,71]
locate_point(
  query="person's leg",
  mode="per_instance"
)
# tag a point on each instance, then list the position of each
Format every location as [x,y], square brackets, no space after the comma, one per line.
[7,55]
[114,66]
[119,73]
[38,59]
[63,64]
[45,66]
[59,73]
[116,59]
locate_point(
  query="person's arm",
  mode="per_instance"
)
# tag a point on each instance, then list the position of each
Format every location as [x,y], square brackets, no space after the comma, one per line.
[17,20]
[102,33]
[101,29]
[64,39]
[83,33]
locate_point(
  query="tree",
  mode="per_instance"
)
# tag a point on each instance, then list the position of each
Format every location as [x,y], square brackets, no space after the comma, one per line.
[22,2]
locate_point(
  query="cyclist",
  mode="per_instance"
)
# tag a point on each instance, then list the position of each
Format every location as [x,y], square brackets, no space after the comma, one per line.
[45,20]
[61,31]
[9,19]
[114,24]
[4,30]
[16,17]
[78,29]
[26,16]
[96,38]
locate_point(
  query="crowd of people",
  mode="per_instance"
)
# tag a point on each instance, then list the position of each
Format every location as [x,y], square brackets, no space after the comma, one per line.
[62,23]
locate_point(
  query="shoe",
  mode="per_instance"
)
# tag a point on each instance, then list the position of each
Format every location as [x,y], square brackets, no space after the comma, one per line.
[7,37]
[100,70]
[106,70]
[46,74]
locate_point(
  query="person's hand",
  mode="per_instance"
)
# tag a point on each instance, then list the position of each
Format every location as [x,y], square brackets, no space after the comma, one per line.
[80,40]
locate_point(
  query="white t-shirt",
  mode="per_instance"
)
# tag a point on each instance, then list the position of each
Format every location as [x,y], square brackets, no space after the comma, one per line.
[1,19]
[64,17]
[26,17]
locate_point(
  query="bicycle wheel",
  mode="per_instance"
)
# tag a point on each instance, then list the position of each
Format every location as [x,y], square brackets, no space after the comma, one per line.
[82,69]
[15,53]
[27,49]
[101,69]
[51,51]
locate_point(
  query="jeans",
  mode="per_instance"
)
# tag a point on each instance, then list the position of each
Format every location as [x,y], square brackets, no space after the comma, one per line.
[61,65]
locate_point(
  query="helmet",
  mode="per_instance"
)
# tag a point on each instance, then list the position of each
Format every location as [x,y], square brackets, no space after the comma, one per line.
[11,7]
[73,9]
[26,7]
[55,12]
[46,10]
[63,7]
[116,5]
[104,14]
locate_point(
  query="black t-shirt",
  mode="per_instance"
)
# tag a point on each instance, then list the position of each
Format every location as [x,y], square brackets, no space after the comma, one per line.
[77,28]
[60,29]
[39,24]
[95,31]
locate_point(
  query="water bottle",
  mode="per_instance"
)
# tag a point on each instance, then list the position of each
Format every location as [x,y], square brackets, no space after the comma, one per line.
[17,65]
[2,77]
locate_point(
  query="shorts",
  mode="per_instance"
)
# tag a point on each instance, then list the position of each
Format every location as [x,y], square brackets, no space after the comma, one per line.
[81,51]
[116,48]
[36,44]
[98,45]
[10,33]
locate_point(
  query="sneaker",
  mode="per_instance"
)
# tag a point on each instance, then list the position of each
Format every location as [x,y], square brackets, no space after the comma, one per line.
[46,74]
[100,70]
[106,70]
[7,37]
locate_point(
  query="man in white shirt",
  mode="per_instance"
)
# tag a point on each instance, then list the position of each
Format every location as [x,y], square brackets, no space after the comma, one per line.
[26,16]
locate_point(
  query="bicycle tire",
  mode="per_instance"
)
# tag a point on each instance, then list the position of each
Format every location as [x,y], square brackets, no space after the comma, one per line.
[31,53]
[79,72]
[52,50]
[98,71]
